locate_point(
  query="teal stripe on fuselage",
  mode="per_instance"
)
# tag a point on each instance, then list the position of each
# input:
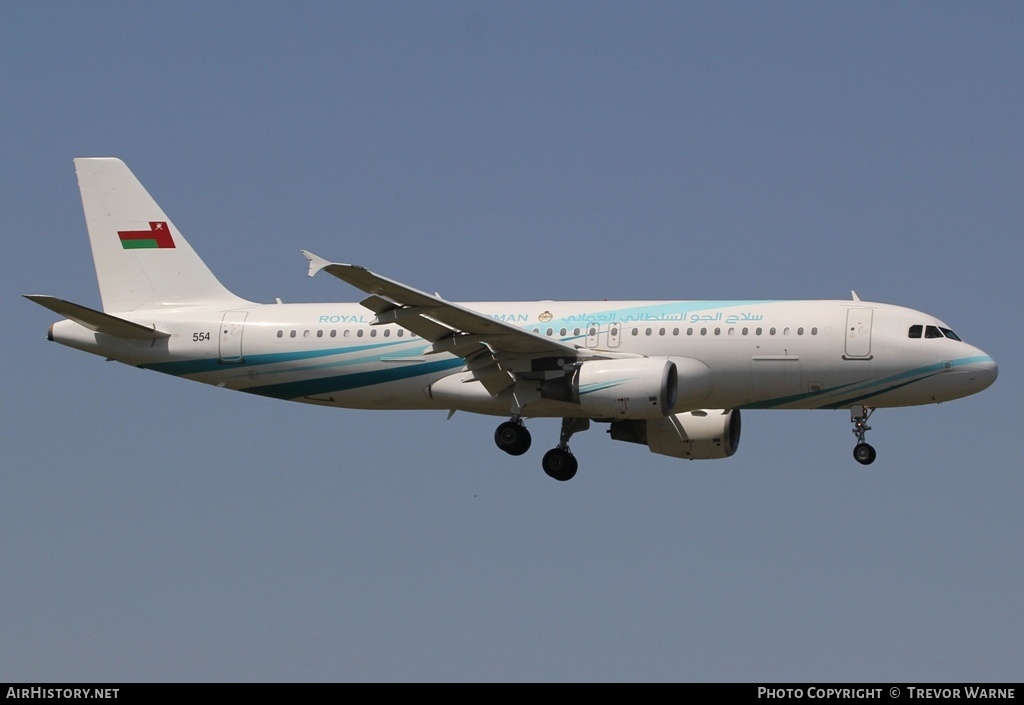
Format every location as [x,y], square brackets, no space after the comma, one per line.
[340,383]
[664,312]
[866,389]
[861,398]
[919,374]
[346,362]
[804,396]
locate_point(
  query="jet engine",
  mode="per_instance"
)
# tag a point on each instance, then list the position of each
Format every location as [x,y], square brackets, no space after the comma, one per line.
[633,388]
[703,434]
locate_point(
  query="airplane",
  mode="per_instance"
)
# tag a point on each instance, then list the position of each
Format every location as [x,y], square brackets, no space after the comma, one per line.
[673,375]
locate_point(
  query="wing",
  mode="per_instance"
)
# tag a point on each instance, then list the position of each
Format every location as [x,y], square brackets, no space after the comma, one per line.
[493,350]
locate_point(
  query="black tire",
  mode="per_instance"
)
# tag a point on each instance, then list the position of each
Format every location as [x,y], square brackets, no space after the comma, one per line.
[560,464]
[513,438]
[864,454]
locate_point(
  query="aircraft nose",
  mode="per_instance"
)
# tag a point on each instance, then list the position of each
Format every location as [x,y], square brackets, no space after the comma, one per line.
[981,372]
[987,371]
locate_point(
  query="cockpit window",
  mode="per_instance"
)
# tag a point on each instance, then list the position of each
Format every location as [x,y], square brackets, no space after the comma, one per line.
[932,332]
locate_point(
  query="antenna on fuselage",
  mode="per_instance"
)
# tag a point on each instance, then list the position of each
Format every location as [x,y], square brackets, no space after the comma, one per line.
[854,294]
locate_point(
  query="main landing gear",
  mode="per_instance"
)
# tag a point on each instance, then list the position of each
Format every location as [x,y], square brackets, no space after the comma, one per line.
[559,462]
[862,452]
[512,436]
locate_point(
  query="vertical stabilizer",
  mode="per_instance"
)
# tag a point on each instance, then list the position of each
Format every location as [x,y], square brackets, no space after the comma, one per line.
[142,260]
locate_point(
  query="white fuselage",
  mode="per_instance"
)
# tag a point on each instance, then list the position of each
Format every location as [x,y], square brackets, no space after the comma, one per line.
[758,354]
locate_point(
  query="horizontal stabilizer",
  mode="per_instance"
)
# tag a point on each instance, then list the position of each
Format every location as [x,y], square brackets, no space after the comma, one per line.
[97,320]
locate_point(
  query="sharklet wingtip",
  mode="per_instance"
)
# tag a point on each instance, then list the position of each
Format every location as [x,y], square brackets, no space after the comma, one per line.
[316,263]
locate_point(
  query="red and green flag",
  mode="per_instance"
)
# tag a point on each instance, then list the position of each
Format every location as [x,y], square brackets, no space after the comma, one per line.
[157,237]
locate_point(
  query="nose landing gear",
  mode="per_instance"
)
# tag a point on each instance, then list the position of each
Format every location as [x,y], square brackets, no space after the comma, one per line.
[863,453]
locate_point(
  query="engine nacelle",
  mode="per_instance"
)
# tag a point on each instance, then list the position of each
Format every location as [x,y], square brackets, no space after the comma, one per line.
[704,434]
[633,388]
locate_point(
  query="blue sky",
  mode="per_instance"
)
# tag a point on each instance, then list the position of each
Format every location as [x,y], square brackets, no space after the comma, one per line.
[153,529]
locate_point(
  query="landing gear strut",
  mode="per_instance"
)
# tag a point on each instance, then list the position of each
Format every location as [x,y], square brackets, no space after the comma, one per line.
[512,436]
[559,463]
[862,452]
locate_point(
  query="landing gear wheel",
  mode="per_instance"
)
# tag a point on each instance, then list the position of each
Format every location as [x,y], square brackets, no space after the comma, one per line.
[859,415]
[560,464]
[513,438]
[864,454]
